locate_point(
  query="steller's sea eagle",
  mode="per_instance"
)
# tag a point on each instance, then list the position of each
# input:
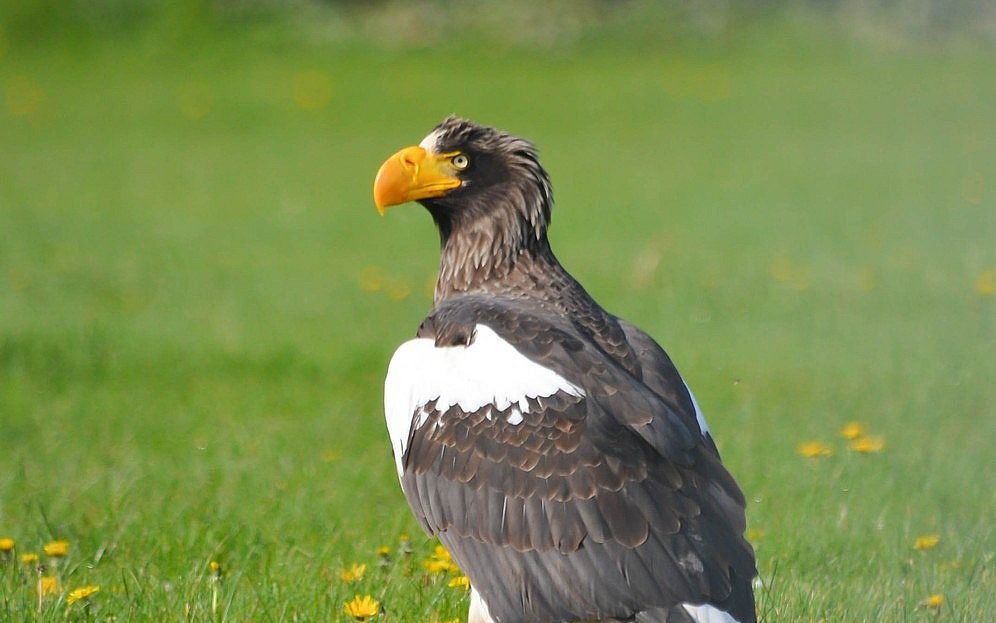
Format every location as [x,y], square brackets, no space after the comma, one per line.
[552,447]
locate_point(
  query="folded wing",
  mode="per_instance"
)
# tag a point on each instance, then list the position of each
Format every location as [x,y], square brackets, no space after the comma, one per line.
[564,486]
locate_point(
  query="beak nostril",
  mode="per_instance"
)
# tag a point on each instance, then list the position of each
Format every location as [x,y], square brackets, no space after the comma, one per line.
[411,158]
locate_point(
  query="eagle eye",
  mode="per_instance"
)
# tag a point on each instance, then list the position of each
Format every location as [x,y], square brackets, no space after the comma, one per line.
[460,161]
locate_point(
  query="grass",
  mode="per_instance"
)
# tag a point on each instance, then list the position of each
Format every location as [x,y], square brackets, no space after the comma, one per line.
[198,303]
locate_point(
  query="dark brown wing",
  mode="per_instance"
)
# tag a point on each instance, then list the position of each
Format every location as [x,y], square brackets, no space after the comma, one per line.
[592,506]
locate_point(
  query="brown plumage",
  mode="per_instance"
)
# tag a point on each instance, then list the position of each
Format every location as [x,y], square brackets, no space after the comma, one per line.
[599,499]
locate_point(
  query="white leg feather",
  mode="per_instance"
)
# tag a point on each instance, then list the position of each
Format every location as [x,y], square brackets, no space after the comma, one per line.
[478,609]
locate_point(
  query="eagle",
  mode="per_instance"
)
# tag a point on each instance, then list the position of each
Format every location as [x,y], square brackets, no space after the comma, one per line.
[551,446]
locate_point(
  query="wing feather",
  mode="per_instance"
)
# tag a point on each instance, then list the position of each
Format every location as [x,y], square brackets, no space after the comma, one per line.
[566,486]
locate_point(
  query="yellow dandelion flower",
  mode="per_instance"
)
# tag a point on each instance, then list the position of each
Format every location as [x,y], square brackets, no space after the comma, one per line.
[441,553]
[352,573]
[215,567]
[405,544]
[440,561]
[814,450]
[330,456]
[755,534]
[985,285]
[460,581]
[29,558]
[56,549]
[6,544]
[383,551]
[780,269]
[852,430]
[867,445]
[435,566]
[801,280]
[82,593]
[926,541]
[48,585]
[371,279]
[398,291]
[934,601]
[362,608]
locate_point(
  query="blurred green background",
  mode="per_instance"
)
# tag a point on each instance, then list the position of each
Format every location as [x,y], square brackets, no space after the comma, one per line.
[198,300]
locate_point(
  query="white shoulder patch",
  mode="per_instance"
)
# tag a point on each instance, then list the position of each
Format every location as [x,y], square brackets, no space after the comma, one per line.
[698,412]
[708,614]
[430,141]
[488,372]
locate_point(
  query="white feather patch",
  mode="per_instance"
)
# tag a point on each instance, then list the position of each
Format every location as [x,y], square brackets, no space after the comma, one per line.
[698,412]
[478,609]
[708,614]
[430,141]
[488,372]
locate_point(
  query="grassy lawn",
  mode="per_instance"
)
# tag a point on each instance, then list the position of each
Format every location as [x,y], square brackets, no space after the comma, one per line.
[198,303]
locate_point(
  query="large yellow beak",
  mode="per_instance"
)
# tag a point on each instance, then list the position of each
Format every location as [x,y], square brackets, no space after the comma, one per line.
[413,174]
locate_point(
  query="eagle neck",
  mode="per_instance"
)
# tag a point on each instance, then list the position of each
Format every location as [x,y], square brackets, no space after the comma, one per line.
[481,263]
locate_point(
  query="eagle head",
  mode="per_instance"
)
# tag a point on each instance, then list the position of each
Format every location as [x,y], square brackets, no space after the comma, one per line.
[474,180]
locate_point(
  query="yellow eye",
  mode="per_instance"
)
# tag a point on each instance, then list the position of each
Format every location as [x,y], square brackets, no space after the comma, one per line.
[460,161]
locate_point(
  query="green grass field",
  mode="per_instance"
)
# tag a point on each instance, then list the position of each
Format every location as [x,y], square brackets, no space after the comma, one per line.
[198,302]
